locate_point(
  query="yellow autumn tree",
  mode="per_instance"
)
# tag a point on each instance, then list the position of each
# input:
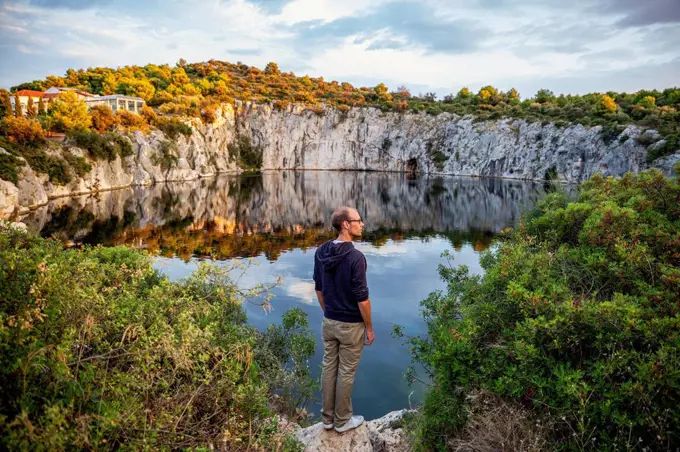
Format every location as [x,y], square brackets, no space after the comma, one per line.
[648,102]
[70,113]
[608,104]
[464,93]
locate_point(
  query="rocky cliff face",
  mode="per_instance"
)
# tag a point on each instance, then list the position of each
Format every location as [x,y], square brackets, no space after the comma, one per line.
[360,139]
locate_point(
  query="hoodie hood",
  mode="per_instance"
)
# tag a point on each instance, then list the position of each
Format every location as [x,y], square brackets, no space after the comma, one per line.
[332,254]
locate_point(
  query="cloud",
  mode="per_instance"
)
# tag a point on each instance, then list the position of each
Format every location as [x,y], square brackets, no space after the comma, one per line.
[303,290]
[640,13]
[428,45]
[69,4]
[416,26]
[244,51]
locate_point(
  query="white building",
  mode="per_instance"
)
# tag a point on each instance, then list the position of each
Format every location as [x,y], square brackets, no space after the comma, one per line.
[117,102]
[24,95]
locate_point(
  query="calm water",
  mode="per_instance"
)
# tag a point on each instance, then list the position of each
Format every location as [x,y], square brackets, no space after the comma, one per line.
[278,220]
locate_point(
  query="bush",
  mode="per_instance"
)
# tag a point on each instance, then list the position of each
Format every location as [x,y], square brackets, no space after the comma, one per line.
[9,168]
[247,155]
[22,131]
[166,157]
[174,127]
[79,164]
[671,144]
[98,351]
[103,147]
[576,317]
[132,121]
[609,133]
[103,118]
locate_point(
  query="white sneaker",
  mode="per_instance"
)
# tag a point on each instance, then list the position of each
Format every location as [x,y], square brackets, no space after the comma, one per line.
[354,422]
[327,426]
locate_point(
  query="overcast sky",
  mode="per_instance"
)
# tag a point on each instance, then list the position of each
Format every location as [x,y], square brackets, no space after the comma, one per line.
[569,46]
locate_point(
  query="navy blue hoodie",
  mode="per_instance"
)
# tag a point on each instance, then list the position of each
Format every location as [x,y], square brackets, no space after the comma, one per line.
[340,274]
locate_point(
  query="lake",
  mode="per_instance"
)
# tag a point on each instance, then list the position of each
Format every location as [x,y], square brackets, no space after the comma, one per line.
[277,220]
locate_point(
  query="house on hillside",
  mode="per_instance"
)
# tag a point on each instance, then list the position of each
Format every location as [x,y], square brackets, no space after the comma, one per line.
[54,92]
[117,102]
[24,95]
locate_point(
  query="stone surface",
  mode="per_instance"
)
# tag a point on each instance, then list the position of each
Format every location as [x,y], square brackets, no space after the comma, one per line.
[380,435]
[9,199]
[360,139]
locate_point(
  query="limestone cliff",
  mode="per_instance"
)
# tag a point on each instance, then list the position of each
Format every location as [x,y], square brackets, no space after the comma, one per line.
[359,139]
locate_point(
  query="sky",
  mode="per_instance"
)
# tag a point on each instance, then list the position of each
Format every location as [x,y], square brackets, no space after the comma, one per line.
[575,46]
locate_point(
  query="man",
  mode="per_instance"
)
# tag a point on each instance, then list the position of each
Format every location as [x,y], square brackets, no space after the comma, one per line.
[340,283]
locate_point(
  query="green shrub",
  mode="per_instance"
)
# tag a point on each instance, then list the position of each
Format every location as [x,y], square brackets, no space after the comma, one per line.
[79,164]
[609,133]
[174,127]
[671,145]
[98,351]
[9,168]
[576,318]
[102,147]
[645,139]
[37,158]
[166,156]
[247,155]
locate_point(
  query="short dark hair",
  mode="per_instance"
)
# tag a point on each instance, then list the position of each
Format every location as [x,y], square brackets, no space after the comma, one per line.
[340,215]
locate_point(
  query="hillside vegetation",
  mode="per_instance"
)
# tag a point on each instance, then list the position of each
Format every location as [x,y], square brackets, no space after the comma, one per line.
[571,338]
[98,351]
[197,90]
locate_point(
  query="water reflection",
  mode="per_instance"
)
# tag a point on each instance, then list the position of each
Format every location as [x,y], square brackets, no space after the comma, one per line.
[250,215]
[279,218]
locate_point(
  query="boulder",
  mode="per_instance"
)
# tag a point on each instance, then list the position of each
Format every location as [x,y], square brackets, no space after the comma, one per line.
[380,435]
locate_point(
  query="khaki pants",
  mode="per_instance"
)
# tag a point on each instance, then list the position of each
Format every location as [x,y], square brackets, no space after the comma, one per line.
[342,346]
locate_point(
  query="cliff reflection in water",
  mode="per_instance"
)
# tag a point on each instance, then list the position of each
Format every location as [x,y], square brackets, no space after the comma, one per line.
[245,216]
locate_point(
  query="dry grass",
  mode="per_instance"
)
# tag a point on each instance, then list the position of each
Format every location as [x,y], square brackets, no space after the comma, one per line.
[495,424]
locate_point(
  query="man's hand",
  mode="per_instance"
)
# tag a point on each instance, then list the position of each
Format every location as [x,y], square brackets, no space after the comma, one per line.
[370,337]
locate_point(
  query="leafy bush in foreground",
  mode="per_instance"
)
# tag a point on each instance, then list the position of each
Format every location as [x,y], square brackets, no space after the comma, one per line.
[98,351]
[577,318]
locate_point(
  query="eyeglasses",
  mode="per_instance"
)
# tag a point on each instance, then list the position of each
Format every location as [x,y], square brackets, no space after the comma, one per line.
[351,221]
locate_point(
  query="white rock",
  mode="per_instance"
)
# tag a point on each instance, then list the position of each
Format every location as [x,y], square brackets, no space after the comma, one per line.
[9,198]
[360,139]
[380,435]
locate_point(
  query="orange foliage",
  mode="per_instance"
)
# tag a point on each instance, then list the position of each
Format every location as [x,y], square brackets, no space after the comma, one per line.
[22,130]
[103,118]
[132,121]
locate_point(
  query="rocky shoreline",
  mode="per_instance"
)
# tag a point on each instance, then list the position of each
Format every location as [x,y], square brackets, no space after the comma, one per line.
[362,139]
[385,434]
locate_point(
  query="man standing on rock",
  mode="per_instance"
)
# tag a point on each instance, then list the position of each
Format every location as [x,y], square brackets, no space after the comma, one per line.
[340,283]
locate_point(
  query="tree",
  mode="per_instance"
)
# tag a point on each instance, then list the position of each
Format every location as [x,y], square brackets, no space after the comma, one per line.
[544,96]
[35,85]
[403,92]
[464,93]
[41,107]
[5,104]
[272,69]
[18,111]
[647,102]
[22,130]
[103,118]
[608,104]
[380,89]
[513,94]
[31,112]
[70,113]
